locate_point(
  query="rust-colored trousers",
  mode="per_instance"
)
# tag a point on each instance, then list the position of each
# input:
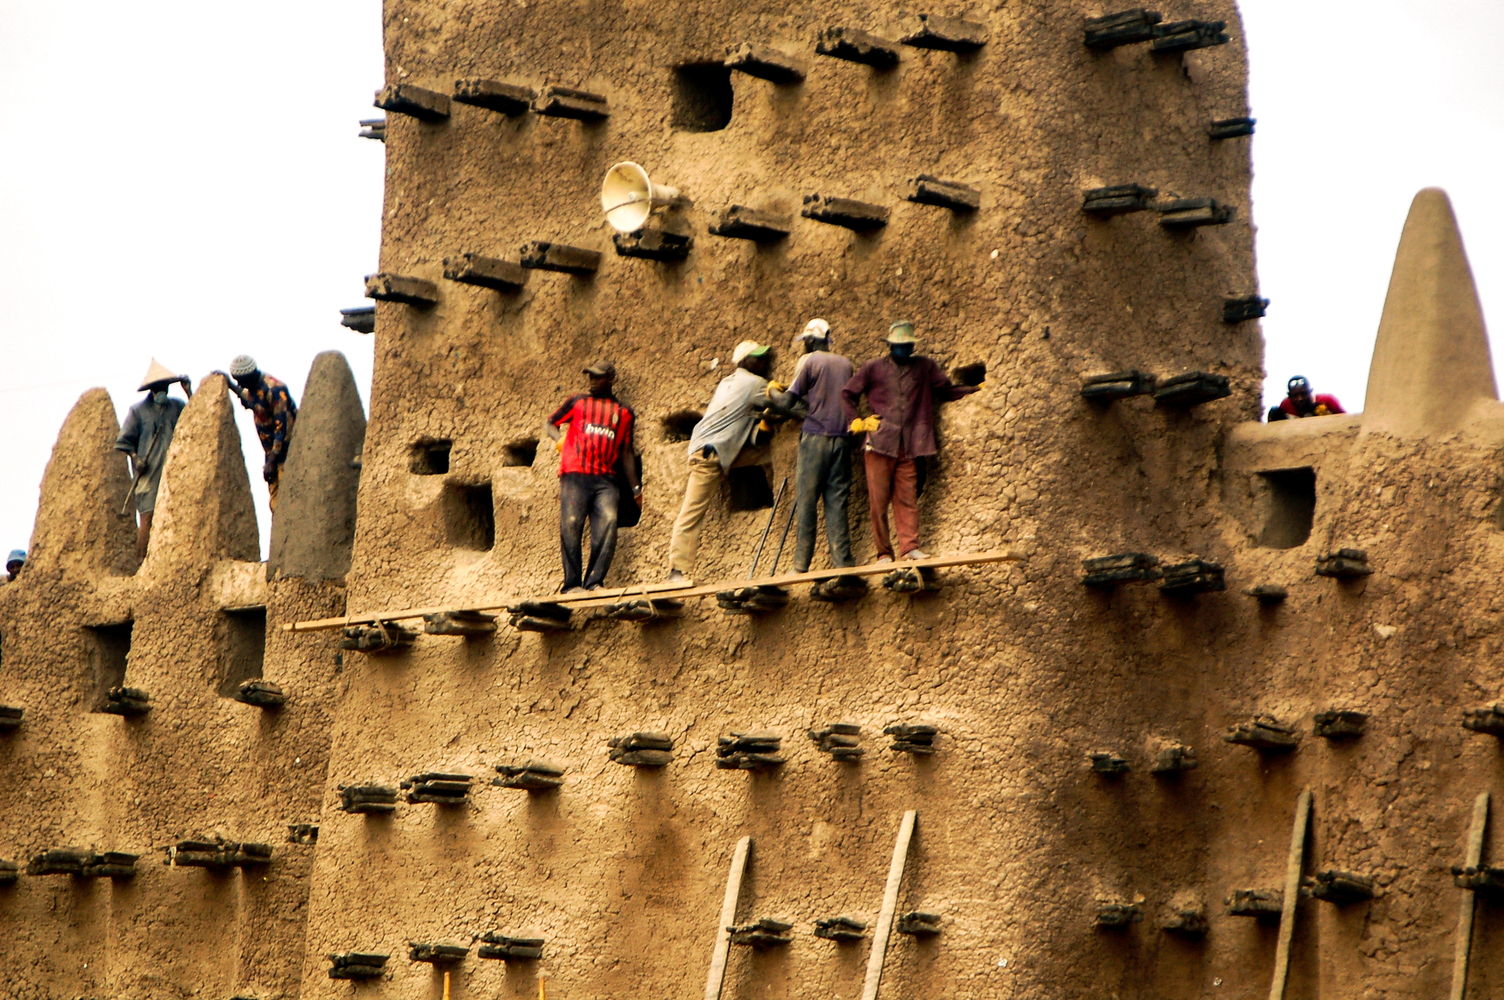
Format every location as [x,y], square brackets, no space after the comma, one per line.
[895,480]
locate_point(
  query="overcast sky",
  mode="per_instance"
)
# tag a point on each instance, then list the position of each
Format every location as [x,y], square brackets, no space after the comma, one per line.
[184,181]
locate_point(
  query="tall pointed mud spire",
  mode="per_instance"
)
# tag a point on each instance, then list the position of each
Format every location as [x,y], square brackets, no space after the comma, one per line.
[1431,363]
[204,512]
[80,529]
[314,526]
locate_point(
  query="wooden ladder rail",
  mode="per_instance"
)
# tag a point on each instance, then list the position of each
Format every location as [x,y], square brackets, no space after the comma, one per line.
[1293,864]
[722,950]
[884,927]
[1464,944]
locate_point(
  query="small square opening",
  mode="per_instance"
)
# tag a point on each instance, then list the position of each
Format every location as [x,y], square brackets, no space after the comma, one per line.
[430,457]
[1289,501]
[972,374]
[750,488]
[680,425]
[109,650]
[702,97]
[243,651]
[469,517]
[520,453]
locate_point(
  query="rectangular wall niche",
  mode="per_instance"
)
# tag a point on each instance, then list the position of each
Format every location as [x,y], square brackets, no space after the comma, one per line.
[520,453]
[469,517]
[109,649]
[702,97]
[750,488]
[430,458]
[1287,498]
[680,425]
[242,649]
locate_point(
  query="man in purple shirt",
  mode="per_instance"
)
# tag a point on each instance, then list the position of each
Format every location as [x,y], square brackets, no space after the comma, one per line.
[824,446]
[903,390]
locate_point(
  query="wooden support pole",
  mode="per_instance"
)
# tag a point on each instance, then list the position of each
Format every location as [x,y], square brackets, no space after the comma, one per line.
[728,917]
[677,591]
[890,906]
[1464,945]
[1292,895]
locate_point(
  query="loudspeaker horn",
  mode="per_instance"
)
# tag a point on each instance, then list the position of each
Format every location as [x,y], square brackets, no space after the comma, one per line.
[628,196]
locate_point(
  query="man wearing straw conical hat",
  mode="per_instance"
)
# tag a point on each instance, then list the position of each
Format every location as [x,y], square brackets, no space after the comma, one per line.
[146,436]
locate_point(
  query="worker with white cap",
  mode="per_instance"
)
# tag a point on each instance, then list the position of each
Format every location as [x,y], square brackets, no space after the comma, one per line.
[732,432]
[904,391]
[272,411]
[824,446]
[146,437]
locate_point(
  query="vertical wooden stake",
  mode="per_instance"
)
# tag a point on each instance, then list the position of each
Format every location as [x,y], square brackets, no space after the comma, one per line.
[1292,895]
[728,917]
[1464,945]
[890,905]
[446,984]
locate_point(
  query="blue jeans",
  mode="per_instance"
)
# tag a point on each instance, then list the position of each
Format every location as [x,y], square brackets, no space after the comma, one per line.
[824,471]
[595,497]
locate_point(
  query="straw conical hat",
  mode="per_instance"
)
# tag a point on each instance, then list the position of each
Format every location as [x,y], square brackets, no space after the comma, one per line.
[157,373]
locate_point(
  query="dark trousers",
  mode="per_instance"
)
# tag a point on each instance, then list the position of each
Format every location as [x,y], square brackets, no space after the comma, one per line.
[595,497]
[824,471]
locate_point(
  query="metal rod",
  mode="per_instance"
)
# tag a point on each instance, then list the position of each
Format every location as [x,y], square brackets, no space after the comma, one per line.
[728,917]
[784,540]
[890,904]
[772,512]
[1292,893]
[1464,944]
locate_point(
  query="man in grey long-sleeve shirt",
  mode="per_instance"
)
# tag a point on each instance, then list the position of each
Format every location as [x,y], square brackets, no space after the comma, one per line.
[146,436]
[728,426]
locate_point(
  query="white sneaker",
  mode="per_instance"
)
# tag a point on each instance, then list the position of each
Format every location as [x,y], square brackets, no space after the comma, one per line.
[882,559]
[677,576]
[915,554]
[575,590]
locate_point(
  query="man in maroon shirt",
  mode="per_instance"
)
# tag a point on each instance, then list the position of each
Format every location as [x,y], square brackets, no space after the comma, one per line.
[903,391]
[1299,402]
[597,448]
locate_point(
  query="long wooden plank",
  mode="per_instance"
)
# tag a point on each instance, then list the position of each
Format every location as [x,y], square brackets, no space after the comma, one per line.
[728,917]
[890,905]
[600,599]
[1464,944]
[1293,865]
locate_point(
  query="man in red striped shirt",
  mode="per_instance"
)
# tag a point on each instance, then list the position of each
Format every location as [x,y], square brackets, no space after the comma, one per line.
[595,451]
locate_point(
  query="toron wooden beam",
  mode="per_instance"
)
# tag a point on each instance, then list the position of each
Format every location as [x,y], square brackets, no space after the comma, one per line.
[717,974]
[1292,894]
[884,928]
[605,598]
[1464,944]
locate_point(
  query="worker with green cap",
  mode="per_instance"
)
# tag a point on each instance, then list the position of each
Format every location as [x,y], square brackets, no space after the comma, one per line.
[146,437]
[733,431]
[903,389]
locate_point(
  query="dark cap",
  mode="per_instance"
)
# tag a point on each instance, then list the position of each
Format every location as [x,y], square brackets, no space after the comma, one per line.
[1298,382]
[602,369]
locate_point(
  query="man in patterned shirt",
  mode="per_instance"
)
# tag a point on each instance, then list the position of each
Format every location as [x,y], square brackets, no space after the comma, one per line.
[596,451]
[274,412]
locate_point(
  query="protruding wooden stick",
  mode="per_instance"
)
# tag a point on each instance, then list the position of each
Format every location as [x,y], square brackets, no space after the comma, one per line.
[1292,895]
[1464,945]
[728,917]
[890,906]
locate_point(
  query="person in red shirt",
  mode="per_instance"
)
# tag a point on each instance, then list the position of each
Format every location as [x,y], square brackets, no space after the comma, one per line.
[1299,402]
[596,451]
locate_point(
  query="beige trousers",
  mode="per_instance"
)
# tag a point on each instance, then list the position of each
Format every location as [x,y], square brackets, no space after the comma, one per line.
[704,482]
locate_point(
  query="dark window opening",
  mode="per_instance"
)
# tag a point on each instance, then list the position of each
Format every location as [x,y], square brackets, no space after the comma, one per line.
[430,458]
[750,489]
[109,649]
[678,426]
[244,651]
[702,97]
[972,374]
[520,453]
[469,517]
[1290,507]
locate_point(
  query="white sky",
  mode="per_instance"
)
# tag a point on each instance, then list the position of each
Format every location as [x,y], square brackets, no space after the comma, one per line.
[184,180]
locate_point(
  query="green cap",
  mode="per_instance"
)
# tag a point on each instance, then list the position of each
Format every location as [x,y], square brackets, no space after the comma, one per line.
[901,332]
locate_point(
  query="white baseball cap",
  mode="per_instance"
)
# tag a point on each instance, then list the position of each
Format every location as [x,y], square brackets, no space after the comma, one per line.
[748,349]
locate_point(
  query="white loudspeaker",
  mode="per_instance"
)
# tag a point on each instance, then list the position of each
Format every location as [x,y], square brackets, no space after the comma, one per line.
[629,197]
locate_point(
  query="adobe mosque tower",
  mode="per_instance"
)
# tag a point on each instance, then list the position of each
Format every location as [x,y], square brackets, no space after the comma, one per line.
[1202,707]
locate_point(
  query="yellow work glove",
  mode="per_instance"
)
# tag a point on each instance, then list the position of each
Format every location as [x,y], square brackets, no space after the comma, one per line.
[559,444]
[776,386]
[857,426]
[764,427]
[1322,410]
[870,424]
